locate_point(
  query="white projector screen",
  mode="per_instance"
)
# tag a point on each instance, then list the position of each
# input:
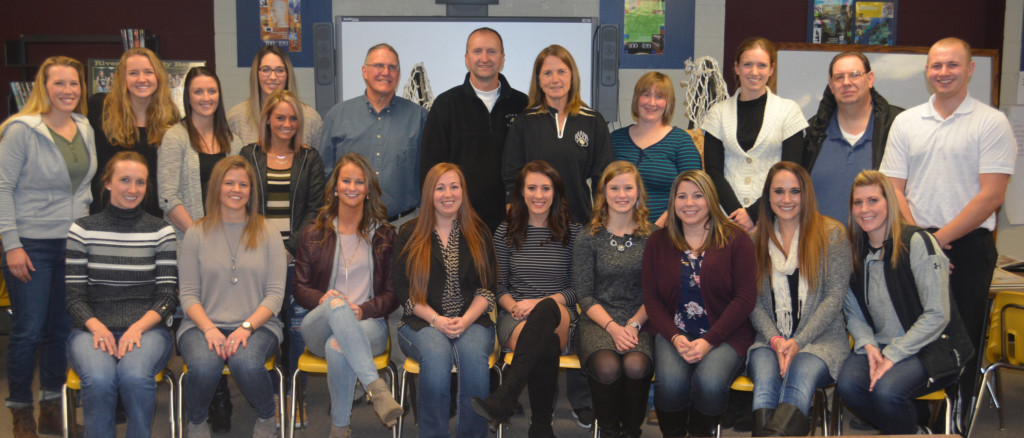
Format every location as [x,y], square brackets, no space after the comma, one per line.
[440,44]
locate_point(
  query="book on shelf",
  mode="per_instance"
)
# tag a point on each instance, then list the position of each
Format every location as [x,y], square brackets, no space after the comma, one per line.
[21,91]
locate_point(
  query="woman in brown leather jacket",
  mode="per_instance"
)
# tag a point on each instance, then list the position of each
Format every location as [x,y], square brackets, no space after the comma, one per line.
[343,274]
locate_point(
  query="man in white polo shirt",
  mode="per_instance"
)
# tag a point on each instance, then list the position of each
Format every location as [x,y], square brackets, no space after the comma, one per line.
[949,160]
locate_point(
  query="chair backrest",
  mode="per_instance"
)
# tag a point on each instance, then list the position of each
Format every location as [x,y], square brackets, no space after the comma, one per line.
[1002,337]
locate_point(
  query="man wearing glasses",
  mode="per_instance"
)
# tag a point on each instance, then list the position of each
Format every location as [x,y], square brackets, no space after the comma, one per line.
[848,134]
[384,128]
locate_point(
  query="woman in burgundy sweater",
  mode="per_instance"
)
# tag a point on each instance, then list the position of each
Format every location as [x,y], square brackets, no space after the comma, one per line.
[701,327]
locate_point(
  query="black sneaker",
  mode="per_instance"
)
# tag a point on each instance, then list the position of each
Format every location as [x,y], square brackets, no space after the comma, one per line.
[584,417]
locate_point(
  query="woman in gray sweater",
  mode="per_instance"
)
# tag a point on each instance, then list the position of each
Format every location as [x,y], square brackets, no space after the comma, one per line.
[803,267]
[230,296]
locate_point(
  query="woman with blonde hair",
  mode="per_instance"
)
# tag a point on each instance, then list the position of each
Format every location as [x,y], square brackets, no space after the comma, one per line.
[47,158]
[610,341]
[133,116]
[559,128]
[444,280]
[803,271]
[231,295]
[698,287]
[343,275]
[271,71]
[908,338]
[752,130]
[661,151]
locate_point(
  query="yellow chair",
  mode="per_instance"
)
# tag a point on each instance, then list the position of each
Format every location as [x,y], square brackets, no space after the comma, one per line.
[270,365]
[73,384]
[1001,351]
[744,384]
[311,363]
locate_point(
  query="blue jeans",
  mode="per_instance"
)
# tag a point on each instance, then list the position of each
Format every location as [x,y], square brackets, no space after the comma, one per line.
[806,373]
[204,370]
[104,376]
[890,406]
[291,315]
[39,322]
[355,358]
[436,355]
[703,385]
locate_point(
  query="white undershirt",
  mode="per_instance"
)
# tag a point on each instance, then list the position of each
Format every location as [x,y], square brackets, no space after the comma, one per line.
[851,138]
[488,97]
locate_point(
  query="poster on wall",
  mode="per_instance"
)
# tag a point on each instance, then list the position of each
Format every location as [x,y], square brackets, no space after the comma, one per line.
[852,22]
[281,23]
[643,27]
[176,71]
[101,74]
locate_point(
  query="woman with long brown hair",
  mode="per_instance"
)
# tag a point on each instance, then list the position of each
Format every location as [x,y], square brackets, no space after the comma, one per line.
[698,279]
[47,158]
[606,271]
[444,278]
[803,269]
[133,116]
[343,275]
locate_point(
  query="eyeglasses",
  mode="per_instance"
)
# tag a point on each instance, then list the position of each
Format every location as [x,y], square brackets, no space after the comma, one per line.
[380,67]
[267,70]
[853,76]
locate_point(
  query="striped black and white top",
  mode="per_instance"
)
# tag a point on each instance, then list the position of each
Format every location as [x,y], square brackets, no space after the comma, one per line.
[537,270]
[120,264]
[279,200]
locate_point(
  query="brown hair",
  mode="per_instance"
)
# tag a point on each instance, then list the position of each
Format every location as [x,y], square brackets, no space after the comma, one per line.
[863,59]
[38,101]
[519,214]
[473,229]
[252,104]
[276,98]
[374,211]
[721,228]
[651,81]
[769,48]
[600,216]
[108,170]
[813,228]
[537,99]
[221,131]
[894,221]
[119,124]
[255,224]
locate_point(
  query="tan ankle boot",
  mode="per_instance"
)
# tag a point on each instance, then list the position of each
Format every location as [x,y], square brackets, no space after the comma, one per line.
[384,403]
[24,422]
[51,422]
[341,432]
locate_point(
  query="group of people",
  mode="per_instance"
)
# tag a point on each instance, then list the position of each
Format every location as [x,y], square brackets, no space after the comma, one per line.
[776,251]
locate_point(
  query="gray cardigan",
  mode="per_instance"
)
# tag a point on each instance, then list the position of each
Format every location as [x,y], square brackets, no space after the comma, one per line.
[35,188]
[178,175]
[821,330]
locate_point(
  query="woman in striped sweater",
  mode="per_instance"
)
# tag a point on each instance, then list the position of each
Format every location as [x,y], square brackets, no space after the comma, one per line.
[535,294]
[121,280]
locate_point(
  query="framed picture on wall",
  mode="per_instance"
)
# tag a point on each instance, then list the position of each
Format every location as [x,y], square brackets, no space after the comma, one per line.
[852,22]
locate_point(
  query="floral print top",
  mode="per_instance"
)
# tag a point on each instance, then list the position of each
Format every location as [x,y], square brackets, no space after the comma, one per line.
[691,318]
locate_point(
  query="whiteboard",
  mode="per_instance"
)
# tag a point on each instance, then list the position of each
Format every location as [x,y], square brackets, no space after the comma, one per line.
[440,44]
[899,76]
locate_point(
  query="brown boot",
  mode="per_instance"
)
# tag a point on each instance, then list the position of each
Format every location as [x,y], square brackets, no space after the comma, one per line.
[384,403]
[24,422]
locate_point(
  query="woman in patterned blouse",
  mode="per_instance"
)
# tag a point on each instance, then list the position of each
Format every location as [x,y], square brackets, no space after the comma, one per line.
[444,278]
[535,292]
[698,287]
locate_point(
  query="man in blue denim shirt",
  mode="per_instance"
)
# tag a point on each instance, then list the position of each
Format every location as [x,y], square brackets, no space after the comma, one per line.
[384,128]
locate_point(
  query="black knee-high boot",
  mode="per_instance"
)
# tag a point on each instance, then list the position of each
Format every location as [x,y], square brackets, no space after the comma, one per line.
[635,404]
[536,336]
[541,388]
[672,423]
[607,404]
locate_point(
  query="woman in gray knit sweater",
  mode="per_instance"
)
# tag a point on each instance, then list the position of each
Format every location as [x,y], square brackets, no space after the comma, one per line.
[121,280]
[803,269]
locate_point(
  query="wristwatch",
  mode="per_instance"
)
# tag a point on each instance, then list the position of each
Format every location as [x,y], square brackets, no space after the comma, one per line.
[248,326]
[634,324]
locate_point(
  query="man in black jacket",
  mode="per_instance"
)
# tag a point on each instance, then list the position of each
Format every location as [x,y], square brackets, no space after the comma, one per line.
[467,125]
[848,134]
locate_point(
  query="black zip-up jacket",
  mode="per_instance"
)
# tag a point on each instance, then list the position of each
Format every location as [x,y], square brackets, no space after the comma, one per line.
[460,130]
[816,133]
[305,191]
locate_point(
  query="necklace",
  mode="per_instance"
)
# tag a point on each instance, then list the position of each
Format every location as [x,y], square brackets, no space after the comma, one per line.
[341,248]
[622,247]
[281,159]
[234,253]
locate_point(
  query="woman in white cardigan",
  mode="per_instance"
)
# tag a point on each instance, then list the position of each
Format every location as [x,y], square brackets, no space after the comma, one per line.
[749,132]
